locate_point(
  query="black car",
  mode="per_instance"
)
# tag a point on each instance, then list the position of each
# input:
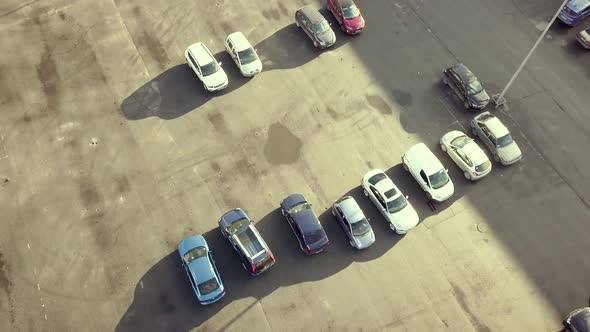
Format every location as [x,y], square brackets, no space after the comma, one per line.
[304,223]
[311,21]
[239,230]
[578,321]
[466,86]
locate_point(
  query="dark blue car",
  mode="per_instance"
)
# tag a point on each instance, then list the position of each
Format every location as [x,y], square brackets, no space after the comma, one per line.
[575,11]
[304,223]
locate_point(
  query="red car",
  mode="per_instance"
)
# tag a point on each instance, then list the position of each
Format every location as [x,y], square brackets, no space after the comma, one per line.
[348,16]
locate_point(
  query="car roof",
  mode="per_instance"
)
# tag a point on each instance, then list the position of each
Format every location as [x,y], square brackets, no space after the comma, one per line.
[386,185]
[421,156]
[201,53]
[464,72]
[306,220]
[202,269]
[312,13]
[239,41]
[231,216]
[496,127]
[474,152]
[351,209]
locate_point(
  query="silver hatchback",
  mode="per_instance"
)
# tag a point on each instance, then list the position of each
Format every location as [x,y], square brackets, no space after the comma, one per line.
[315,26]
[354,223]
[496,137]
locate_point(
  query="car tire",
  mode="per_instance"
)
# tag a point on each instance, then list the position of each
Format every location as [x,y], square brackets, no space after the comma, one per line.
[474,131]
[342,28]
[443,147]
[466,105]
[392,227]
[467,175]
[365,192]
[406,168]
[315,43]
[445,80]
[205,87]
[352,244]
[334,214]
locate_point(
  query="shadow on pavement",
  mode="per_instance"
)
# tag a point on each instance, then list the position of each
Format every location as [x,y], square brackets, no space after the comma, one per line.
[164,300]
[290,48]
[177,91]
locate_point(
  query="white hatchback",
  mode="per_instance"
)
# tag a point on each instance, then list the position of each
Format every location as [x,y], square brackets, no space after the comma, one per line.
[390,201]
[470,158]
[429,172]
[243,54]
[208,70]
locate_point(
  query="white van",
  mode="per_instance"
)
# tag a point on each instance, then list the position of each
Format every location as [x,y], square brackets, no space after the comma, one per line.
[429,172]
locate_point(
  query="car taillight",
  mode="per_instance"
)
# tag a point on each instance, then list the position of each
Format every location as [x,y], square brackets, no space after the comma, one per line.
[252,267]
[271,256]
[309,251]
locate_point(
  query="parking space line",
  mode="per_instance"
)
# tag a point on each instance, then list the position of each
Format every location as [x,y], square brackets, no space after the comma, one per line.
[451,113]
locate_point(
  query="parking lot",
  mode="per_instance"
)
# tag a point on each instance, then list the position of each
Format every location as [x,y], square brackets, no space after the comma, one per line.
[111,153]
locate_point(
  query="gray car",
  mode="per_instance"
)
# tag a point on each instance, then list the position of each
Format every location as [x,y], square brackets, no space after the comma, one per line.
[354,223]
[496,137]
[310,20]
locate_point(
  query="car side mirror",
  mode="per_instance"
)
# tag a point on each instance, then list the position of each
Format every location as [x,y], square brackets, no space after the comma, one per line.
[407,196]
[219,63]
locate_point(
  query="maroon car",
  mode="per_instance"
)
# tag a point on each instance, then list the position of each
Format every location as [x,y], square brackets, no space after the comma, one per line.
[348,16]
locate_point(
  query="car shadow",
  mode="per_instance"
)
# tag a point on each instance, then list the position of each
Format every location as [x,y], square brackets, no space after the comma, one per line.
[164,301]
[177,91]
[290,48]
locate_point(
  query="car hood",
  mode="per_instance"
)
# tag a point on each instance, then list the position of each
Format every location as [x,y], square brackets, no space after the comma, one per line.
[444,192]
[509,152]
[216,79]
[253,67]
[328,37]
[355,23]
[405,219]
[365,240]
[481,98]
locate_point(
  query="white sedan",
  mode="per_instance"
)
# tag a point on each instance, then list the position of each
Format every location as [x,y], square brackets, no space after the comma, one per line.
[390,201]
[466,154]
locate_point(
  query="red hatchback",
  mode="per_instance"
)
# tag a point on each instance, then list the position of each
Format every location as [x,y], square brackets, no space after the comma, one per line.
[348,16]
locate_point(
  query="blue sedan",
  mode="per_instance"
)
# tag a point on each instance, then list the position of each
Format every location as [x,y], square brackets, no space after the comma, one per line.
[575,11]
[200,267]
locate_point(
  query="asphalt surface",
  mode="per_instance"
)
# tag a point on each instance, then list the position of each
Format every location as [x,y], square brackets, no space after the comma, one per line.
[111,153]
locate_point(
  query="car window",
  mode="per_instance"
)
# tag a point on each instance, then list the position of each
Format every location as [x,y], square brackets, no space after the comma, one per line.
[423,176]
[378,196]
[190,58]
[210,68]
[504,140]
[474,87]
[460,141]
[320,27]
[236,225]
[298,208]
[439,179]
[247,56]
[230,45]
[361,227]
[397,204]
[351,12]
[464,157]
[376,178]
[339,211]
[194,253]
[208,286]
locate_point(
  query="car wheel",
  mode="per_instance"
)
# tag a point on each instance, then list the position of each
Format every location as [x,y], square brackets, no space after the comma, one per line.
[342,28]
[392,227]
[466,105]
[443,147]
[315,43]
[405,166]
[205,87]
[351,243]
[474,131]
[334,214]
[365,192]
[428,196]
[445,80]
[467,175]
[496,158]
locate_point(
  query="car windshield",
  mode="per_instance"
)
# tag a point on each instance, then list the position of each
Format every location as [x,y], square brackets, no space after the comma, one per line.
[460,141]
[360,227]
[474,87]
[397,204]
[350,12]
[504,140]
[210,68]
[208,286]
[438,179]
[247,56]
[320,27]
[376,178]
[236,225]
[194,253]
[315,235]
[298,208]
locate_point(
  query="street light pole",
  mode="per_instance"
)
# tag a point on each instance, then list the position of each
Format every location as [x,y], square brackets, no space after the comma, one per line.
[499,99]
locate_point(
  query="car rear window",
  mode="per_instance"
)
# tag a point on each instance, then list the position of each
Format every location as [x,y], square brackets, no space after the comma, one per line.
[376,178]
[262,263]
[208,286]
[390,193]
[483,167]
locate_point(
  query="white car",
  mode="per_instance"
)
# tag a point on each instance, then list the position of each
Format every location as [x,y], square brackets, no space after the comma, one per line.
[466,154]
[429,172]
[390,201]
[208,70]
[496,137]
[243,54]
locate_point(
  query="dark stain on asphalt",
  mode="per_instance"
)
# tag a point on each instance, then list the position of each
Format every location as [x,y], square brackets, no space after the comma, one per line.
[282,147]
[6,285]
[218,122]
[215,166]
[62,16]
[155,48]
[49,78]
[332,113]
[136,11]
[402,97]
[378,103]
[284,10]
[460,296]
[122,185]
[271,14]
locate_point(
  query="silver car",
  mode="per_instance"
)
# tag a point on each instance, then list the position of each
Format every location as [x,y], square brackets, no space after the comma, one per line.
[354,223]
[315,26]
[496,137]
[466,154]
